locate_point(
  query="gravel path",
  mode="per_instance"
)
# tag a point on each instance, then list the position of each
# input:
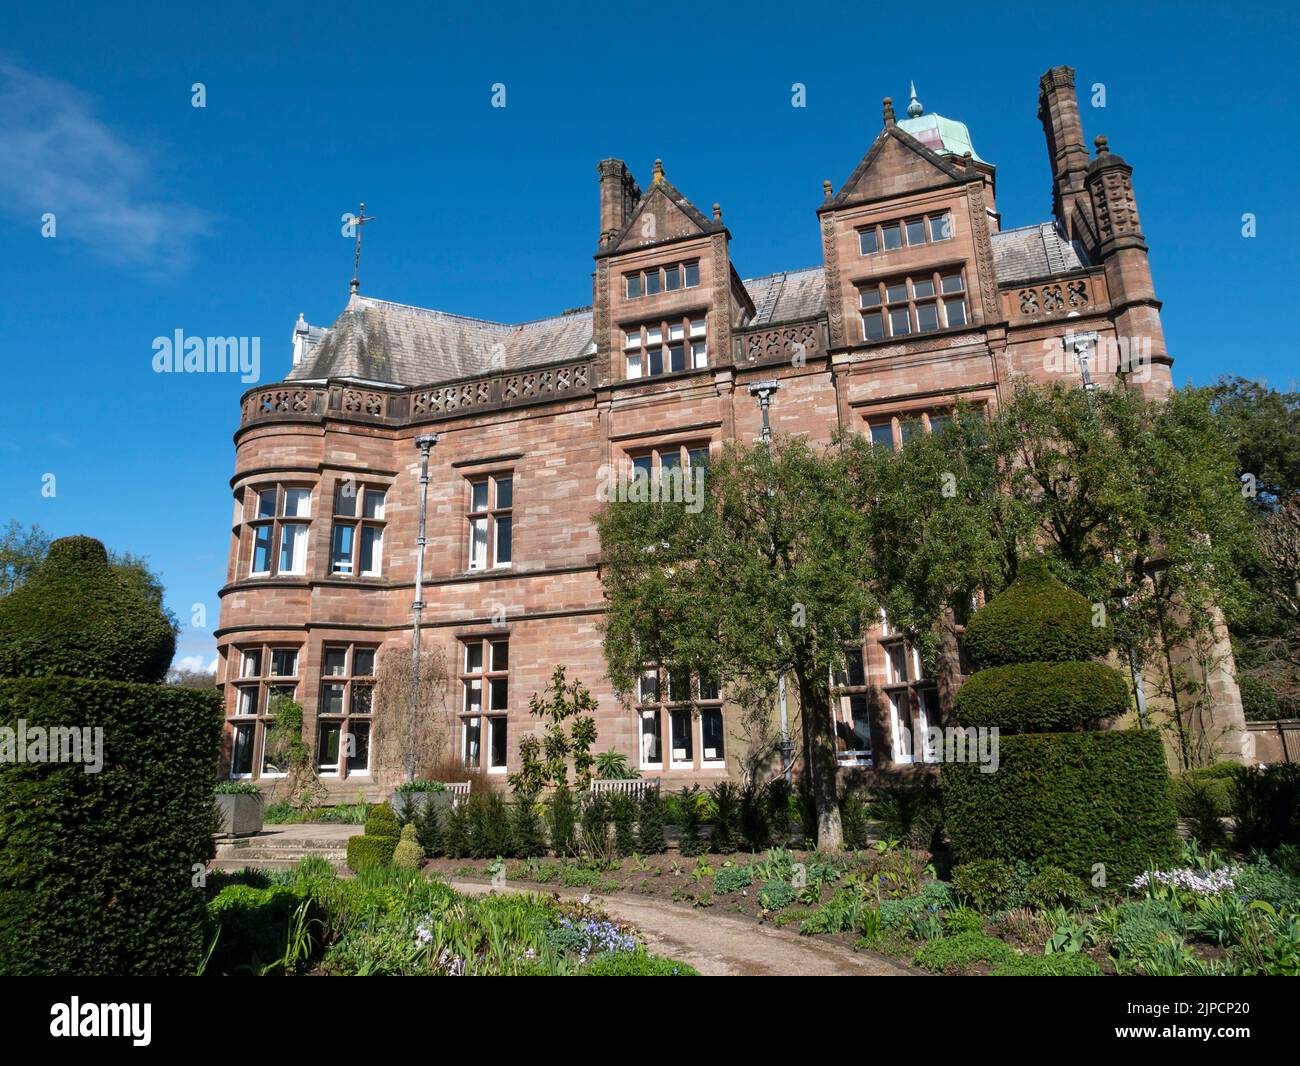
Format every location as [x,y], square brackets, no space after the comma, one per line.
[724,945]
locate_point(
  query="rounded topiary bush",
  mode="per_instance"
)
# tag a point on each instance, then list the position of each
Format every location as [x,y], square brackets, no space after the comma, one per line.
[1092,803]
[1035,619]
[1041,697]
[381,822]
[79,617]
[408,854]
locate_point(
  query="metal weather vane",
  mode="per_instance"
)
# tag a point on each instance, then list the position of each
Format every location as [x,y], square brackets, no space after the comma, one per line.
[361,219]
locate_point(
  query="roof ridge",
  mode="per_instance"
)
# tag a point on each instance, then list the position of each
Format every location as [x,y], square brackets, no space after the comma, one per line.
[434,312]
[782,273]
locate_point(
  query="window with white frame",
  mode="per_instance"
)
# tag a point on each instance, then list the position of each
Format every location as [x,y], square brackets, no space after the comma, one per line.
[853,711]
[491,520]
[654,280]
[666,347]
[262,674]
[923,229]
[485,703]
[917,303]
[911,697]
[345,715]
[357,535]
[278,520]
[680,719]
[669,461]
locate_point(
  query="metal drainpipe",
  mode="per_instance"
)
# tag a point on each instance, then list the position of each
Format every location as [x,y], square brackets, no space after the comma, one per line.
[424,442]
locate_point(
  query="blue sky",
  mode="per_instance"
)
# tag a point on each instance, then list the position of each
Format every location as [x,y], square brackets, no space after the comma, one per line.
[224,220]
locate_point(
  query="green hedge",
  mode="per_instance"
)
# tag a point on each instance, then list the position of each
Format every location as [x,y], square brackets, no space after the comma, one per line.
[367,850]
[1066,799]
[1041,697]
[1035,619]
[79,617]
[97,870]
[1258,700]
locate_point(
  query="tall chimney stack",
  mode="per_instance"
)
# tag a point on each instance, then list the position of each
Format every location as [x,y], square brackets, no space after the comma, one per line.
[1058,109]
[618,197]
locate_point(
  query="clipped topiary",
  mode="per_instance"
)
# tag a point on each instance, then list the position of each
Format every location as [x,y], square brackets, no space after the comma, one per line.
[408,855]
[367,850]
[1095,804]
[79,617]
[1041,697]
[1035,619]
[381,822]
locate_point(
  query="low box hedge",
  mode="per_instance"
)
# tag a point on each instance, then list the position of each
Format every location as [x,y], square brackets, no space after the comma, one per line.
[1071,800]
[101,874]
[367,850]
[1041,697]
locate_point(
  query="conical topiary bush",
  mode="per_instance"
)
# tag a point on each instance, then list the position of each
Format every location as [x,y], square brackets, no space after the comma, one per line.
[79,617]
[1064,793]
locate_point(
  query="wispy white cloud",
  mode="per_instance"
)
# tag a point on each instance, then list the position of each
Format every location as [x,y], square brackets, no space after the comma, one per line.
[59,157]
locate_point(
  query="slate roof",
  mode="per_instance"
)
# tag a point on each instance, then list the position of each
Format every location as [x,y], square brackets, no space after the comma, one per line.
[375,340]
[787,296]
[1032,252]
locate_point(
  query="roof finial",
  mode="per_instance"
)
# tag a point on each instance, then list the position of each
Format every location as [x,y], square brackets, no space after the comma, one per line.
[889,110]
[659,171]
[914,109]
[827,189]
[1102,145]
[360,219]
[717,212]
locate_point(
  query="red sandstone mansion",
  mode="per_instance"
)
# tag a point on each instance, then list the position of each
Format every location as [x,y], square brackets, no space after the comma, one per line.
[921,298]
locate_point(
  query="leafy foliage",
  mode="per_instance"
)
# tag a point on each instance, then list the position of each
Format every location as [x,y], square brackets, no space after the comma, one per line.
[545,762]
[1041,697]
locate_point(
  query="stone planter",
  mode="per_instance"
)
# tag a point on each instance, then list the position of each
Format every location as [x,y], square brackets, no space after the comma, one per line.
[420,801]
[241,813]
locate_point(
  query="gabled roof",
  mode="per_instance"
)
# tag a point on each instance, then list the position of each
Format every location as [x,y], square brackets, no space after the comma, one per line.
[663,191]
[898,143]
[375,340]
[1033,252]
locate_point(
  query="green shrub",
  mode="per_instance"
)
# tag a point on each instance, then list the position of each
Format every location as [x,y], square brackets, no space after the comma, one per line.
[408,855]
[963,920]
[635,964]
[428,829]
[960,953]
[622,812]
[1035,619]
[456,832]
[1041,697]
[78,616]
[96,869]
[489,825]
[562,821]
[726,819]
[691,842]
[1258,700]
[1061,964]
[985,882]
[1267,806]
[1066,799]
[1262,880]
[421,785]
[367,850]
[934,896]
[382,822]
[910,811]
[237,788]
[1144,928]
[732,879]
[650,823]
[854,819]
[754,824]
[1054,887]
[527,837]
[253,923]
[776,894]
